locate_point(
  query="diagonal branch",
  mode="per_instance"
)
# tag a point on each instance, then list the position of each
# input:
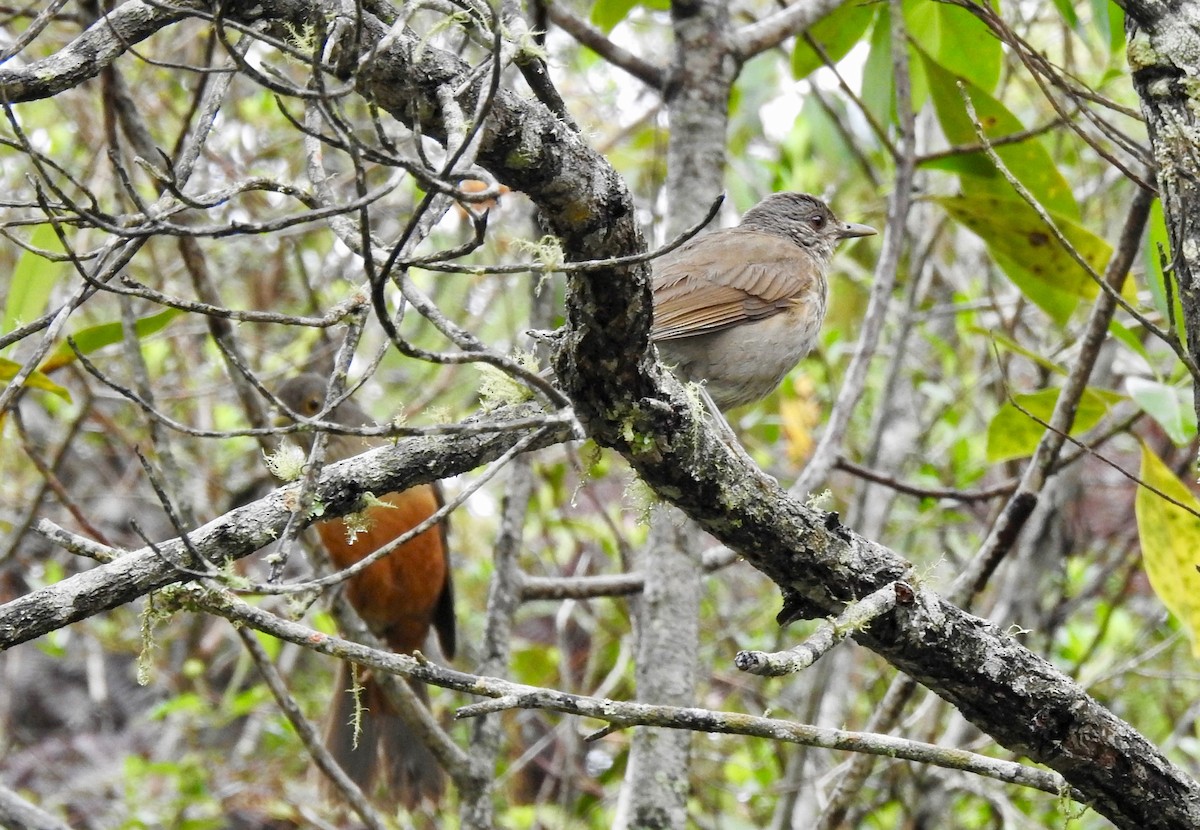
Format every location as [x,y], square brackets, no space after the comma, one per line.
[604,364]
[82,59]
[247,529]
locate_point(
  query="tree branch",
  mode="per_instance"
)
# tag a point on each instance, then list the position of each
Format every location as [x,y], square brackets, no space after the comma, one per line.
[256,525]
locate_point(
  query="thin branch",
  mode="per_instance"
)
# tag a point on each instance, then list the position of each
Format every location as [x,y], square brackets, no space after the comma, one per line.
[15,811]
[761,35]
[648,73]
[894,237]
[618,713]
[249,528]
[858,615]
[307,734]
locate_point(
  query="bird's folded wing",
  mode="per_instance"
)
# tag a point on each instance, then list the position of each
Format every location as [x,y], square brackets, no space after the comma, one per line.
[726,278]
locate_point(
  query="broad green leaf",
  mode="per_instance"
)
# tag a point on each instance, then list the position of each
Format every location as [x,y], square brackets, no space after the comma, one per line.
[1012,229]
[1014,434]
[92,338]
[1027,160]
[957,40]
[606,14]
[1170,406]
[36,380]
[1109,21]
[837,33]
[1170,537]
[33,280]
[964,164]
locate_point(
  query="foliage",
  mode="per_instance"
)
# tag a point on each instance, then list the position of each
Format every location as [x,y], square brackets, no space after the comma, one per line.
[982,327]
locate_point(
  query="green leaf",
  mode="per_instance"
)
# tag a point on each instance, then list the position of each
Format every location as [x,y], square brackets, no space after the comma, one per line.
[92,338]
[1067,9]
[1017,237]
[1131,341]
[877,80]
[837,33]
[1027,160]
[36,380]
[1013,346]
[1059,305]
[1170,537]
[33,279]
[1109,21]
[957,40]
[1156,240]
[1014,434]
[1170,406]
[606,14]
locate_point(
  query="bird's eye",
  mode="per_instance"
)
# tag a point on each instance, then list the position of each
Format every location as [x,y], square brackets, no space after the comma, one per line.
[817,221]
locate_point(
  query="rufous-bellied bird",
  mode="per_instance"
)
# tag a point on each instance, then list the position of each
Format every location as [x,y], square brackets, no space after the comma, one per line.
[400,598]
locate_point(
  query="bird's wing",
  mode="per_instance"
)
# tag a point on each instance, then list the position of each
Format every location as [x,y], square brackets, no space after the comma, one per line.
[726,278]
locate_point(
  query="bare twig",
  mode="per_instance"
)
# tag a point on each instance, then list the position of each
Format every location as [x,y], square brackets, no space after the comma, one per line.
[857,615]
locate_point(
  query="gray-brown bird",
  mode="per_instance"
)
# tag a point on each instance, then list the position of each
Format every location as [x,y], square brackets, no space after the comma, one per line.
[738,308]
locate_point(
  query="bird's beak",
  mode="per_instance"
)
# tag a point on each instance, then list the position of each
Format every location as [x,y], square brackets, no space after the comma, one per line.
[850,230]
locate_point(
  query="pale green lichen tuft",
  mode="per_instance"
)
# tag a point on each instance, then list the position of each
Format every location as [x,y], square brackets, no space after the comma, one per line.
[498,388]
[547,252]
[149,617]
[819,501]
[286,463]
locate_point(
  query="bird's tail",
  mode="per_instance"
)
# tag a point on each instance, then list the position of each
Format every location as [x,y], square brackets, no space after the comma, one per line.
[388,762]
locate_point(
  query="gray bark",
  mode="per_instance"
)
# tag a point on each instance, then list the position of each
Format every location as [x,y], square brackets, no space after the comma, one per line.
[656,782]
[603,363]
[1164,57]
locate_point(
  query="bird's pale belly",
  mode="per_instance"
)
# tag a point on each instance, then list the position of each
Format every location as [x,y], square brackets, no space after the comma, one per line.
[744,363]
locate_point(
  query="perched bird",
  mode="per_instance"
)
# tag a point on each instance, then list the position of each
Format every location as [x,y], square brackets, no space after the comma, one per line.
[738,308]
[400,598]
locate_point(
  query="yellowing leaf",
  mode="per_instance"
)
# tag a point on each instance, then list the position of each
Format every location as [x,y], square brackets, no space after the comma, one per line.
[1170,538]
[36,380]
[1011,228]
[1059,305]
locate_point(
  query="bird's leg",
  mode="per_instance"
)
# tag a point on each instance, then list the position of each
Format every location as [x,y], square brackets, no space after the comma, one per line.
[728,436]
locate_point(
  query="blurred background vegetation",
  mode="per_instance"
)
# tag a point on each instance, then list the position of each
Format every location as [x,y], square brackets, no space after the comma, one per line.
[980,330]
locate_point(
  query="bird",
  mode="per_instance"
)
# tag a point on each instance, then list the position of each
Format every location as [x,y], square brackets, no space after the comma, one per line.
[736,309]
[400,598]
